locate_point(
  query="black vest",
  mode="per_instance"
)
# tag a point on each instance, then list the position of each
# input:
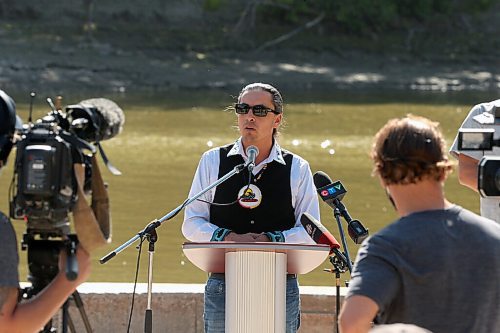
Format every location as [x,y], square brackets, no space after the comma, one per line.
[274,213]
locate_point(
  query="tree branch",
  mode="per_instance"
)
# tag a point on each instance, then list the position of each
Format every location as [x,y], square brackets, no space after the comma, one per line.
[292,33]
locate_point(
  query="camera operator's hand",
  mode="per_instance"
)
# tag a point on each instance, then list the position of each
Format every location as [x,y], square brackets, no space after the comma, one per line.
[467,171]
[33,314]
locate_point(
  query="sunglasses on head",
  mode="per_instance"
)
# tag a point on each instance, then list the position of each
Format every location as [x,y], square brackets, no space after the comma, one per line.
[258,110]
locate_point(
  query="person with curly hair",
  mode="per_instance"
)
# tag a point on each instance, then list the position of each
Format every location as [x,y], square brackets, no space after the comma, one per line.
[422,269]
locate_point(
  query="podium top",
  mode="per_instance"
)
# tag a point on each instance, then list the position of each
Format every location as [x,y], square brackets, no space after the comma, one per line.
[210,256]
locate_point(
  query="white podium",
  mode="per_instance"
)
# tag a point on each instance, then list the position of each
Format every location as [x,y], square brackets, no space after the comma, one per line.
[255,278]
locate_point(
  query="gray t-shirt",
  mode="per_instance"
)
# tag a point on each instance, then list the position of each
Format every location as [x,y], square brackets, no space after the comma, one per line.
[436,269]
[9,259]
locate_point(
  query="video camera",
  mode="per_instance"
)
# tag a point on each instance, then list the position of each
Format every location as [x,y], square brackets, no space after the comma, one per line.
[482,139]
[44,187]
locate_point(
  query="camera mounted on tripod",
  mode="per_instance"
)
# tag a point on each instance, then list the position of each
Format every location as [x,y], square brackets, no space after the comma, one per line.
[55,166]
[483,139]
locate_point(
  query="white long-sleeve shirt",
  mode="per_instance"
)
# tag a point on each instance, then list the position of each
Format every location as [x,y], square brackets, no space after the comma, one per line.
[197,226]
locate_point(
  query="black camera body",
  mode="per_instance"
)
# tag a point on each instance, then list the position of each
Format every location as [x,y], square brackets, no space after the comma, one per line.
[45,185]
[483,139]
[489,176]
[44,188]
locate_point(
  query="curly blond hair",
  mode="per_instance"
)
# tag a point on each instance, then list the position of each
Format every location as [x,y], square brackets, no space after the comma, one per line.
[408,150]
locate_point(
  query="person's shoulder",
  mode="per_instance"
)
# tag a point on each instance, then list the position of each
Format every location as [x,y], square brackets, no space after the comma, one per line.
[484,107]
[478,221]
[397,233]
[487,106]
[5,225]
[465,214]
[388,232]
[7,233]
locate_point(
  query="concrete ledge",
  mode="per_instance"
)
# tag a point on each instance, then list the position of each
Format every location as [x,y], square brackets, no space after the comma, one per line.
[179,307]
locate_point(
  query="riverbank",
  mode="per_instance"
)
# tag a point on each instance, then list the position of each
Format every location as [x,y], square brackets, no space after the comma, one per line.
[101,67]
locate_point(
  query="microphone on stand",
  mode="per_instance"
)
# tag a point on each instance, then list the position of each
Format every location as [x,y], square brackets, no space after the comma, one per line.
[321,235]
[318,232]
[252,153]
[332,193]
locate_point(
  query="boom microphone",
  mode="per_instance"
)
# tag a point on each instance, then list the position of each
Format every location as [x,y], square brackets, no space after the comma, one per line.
[96,119]
[318,232]
[332,193]
[252,153]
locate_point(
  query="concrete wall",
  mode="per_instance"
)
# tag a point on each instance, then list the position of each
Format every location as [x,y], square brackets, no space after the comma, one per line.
[179,308]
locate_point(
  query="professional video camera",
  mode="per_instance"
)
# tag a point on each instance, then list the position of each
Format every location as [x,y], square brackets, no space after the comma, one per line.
[482,139]
[45,188]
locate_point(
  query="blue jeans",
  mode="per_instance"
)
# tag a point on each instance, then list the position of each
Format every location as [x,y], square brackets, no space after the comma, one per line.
[215,304]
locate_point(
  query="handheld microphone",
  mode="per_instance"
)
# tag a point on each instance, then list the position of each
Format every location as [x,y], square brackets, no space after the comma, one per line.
[332,193]
[318,232]
[252,153]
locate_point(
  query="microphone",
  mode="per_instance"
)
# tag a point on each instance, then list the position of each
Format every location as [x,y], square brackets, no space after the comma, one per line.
[96,119]
[318,232]
[252,153]
[332,193]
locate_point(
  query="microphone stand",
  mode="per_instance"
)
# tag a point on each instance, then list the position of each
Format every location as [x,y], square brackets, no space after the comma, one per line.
[337,214]
[339,261]
[148,320]
[150,233]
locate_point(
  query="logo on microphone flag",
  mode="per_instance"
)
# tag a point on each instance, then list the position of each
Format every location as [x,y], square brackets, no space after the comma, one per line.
[332,191]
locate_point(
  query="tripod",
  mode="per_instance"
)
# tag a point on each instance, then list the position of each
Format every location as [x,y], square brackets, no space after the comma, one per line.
[339,263]
[43,258]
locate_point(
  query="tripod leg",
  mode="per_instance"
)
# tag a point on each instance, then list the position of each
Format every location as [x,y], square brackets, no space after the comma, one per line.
[337,299]
[65,316]
[48,328]
[79,305]
[71,324]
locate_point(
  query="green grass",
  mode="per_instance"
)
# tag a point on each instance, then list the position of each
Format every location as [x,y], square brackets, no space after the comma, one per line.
[162,142]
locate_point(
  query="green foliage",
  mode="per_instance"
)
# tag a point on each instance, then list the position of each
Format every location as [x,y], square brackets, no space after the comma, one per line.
[211,5]
[365,15]
[362,16]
